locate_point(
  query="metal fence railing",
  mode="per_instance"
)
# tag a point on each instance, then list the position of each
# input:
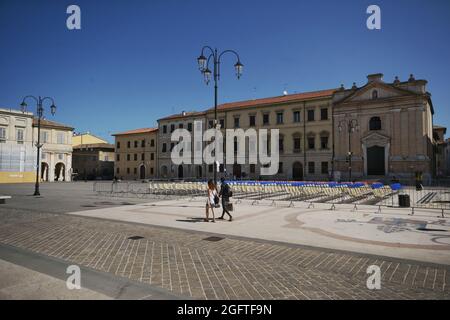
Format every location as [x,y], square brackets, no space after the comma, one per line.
[290,193]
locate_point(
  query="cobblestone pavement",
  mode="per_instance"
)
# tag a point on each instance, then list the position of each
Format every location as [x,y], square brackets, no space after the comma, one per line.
[230,268]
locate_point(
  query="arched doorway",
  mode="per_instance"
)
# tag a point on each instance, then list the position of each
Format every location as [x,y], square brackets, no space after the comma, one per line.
[142,172]
[375,161]
[180,172]
[44,171]
[60,172]
[164,171]
[237,171]
[297,171]
[199,172]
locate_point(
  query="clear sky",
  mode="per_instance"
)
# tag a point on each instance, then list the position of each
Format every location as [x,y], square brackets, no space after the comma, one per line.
[135,61]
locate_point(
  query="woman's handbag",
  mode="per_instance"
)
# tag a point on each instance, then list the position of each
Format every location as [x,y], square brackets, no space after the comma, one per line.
[216,200]
[229,206]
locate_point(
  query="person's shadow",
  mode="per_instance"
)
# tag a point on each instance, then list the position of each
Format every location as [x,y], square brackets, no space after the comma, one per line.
[191,220]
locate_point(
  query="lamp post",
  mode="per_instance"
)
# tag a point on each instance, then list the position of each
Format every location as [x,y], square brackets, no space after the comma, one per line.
[40,113]
[203,64]
[352,126]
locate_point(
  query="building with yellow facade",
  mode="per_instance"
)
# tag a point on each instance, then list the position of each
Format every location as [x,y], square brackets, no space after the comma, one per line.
[136,154]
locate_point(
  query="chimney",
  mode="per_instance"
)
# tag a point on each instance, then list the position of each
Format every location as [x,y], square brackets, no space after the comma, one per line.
[377,77]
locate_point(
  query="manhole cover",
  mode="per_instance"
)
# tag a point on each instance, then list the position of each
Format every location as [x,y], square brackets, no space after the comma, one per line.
[213,239]
[135,238]
[426,229]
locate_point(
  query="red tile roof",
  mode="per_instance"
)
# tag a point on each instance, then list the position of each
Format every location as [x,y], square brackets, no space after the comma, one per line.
[183,115]
[136,131]
[51,124]
[280,99]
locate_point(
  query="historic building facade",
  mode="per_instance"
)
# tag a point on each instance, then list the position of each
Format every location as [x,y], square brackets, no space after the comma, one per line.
[384,130]
[391,129]
[166,168]
[92,158]
[56,151]
[136,154]
[17,152]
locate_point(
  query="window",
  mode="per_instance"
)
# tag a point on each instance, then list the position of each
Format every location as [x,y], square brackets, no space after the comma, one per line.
[19,135]
[375,123]
[106,158]
[135,157]
[311,168]
[236,122]
[324,168]
[128,157]
[324,142]
[181,126]
[252,168]
[222,123]
[324,114]
[44,136]
[297,144]
[60,156]
[129,144]
[189,127]
[2,134]
[235,145]
[280,167]
[164,147]
[172,145]
[311,115]
[152,156]
[210,168]
[311,143]
[221,167]
[252,120]
[128,170]
[210,124]
[152,143]
[60,138]
[117,170]
[172,128]
[151,171]
[135,143]
[135,170]
[143,157]
[296,116]
[164,129]
[118,157]
[281,144]
[118,145]
[143,143]
[279,117]
[265,119]
[374,94]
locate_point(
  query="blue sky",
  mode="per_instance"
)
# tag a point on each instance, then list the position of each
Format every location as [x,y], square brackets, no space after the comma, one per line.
[135,61]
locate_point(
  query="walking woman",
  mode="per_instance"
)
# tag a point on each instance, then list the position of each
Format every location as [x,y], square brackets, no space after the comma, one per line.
[210,202]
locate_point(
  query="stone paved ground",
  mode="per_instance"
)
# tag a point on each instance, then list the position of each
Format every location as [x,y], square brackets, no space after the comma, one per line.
[184,263]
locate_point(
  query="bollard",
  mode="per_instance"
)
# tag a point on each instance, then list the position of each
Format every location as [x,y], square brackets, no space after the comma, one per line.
[333,207]
[412,211]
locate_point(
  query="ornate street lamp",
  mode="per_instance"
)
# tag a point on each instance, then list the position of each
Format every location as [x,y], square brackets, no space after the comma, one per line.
[352,126]
[40,113]
[203,65]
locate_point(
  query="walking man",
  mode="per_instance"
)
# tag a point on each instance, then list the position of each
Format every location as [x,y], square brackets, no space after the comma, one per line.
[225,194]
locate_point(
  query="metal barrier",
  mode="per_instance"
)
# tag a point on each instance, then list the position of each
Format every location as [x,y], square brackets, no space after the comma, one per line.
[333,193]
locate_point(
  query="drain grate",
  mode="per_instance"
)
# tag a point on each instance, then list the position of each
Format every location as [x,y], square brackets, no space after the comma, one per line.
[213,239]
[135,238]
